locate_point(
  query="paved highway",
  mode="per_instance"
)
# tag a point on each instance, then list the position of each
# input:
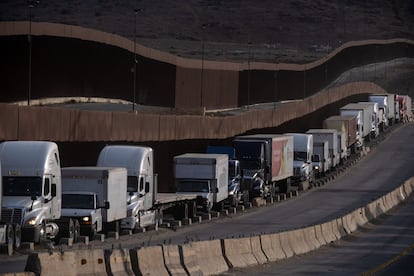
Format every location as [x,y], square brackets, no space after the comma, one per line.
[385,248]
[385,168]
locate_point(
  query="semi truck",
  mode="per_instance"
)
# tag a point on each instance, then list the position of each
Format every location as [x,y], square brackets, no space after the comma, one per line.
[235,193]
[330,135]
[203,174]
[346,125]
[364,116]
[302,159]
[266,163]
[405,105]
[385,102]
[320,160]
[145,205]
[94,197]
[31,176]
[374,120]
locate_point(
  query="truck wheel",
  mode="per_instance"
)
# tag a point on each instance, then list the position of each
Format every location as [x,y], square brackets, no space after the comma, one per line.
[9,239]
[76,231]
[71,229]
[17,235]
[42,233]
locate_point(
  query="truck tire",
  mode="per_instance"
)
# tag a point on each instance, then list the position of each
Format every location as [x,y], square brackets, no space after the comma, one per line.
[42,233]
[9,239]
[17,235]
[76,231]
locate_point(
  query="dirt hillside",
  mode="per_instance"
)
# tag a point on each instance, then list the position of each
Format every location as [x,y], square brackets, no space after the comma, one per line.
[283,30]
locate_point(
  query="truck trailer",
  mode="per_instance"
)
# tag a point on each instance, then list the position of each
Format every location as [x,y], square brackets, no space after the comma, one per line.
[266,163]
[346,124]
[205,174]
[330,135]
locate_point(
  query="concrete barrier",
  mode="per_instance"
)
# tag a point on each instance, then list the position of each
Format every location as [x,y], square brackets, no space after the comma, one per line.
[319,235]
[148,261]
[209,256]
[239,252]
[172,260]
[190,261]
[297,242]
[327,231]
[349,223]
[18,274]
[359,216]
[119,262]
[80,262]
[408,186]
[310,237]
[257,250]
[271,247]
[284,242]
[339,230]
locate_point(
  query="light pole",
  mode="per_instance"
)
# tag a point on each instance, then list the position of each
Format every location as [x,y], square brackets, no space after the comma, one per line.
[134,92]
[202,66]
[249,43]
[31,4]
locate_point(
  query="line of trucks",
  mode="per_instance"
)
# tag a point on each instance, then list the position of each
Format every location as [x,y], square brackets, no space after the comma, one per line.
[42,201]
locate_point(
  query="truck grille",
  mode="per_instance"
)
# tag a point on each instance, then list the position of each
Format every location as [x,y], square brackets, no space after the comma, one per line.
[12,215]
[296,171]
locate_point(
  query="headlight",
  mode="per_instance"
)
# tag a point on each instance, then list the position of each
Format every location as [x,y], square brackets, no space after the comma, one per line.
[32,221]
[86,219]
[316,167]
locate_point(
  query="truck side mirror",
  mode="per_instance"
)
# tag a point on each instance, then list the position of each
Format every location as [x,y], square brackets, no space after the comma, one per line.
[53,191]
[267,169]
[107,205]
[216,190]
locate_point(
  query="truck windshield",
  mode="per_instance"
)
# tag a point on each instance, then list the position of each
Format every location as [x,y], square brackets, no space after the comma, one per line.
[74,201]
[192,186]
[132,185]
[300,156]
[249,154]
[22,186]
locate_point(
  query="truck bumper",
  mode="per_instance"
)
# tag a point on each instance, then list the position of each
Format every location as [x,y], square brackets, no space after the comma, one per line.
[31,234]
[129,223]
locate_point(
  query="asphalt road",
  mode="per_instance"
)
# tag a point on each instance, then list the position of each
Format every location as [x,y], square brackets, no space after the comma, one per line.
[386,167]
[383,248]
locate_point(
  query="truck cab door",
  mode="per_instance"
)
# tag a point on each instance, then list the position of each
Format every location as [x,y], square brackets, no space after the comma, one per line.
[49,191]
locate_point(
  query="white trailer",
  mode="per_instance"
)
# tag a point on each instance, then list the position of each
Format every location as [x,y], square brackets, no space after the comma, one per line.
[205,174]
[32,188]
[365,117]
[95,196]
[330,135]
[375,128]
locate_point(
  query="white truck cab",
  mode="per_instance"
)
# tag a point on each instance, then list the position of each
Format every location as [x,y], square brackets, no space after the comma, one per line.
[138,160]
[31,187]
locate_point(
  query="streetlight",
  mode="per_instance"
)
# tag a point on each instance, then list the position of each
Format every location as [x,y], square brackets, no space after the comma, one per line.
[31,4]
[202,65]
[134,92]
[249,43]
